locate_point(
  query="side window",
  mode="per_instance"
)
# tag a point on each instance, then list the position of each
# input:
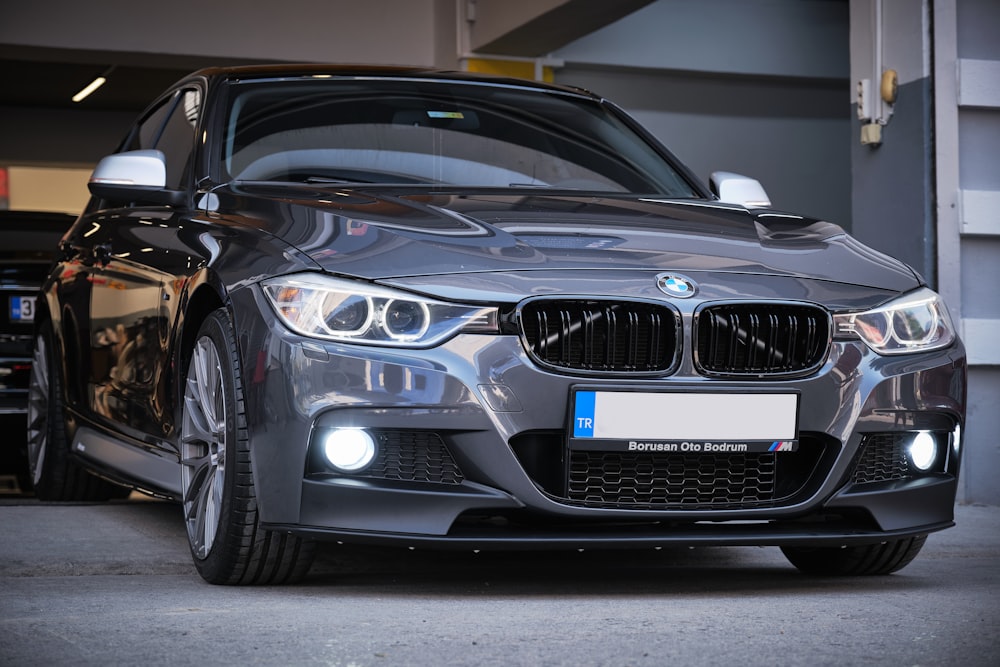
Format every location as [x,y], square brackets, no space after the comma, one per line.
[170,127]
[148,130]
[177,140]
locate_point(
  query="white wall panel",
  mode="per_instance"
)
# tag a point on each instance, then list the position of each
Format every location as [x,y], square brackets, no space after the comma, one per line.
[979,83]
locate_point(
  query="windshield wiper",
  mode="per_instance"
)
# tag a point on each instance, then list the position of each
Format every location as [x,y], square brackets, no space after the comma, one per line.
[334,181]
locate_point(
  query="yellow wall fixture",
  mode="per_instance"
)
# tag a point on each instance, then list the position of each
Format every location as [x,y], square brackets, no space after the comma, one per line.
[876,95]
[890,86]
[520,69]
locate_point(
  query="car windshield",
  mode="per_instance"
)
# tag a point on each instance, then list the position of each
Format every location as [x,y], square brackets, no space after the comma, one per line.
[437,133]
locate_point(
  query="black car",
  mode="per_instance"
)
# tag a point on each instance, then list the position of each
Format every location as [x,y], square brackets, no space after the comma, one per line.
[28,244]
[439,310]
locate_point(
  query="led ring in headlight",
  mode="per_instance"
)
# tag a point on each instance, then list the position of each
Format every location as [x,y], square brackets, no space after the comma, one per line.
[345,314]
[405,320]
[915,322]
[355,311]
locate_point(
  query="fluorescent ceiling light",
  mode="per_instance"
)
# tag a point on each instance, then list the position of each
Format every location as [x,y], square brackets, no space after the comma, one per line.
[94,85]
[91,87]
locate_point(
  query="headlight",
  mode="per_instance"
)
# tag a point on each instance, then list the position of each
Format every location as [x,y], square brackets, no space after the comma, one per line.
[348,311]
[916,322]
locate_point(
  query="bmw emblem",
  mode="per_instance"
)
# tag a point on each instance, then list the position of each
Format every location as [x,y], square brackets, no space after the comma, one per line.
[672,284]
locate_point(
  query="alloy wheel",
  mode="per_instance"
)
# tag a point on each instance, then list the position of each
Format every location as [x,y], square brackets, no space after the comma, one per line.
[38,410]
[203,447]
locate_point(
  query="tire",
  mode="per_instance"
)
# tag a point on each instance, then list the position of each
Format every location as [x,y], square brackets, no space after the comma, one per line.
[53,473]
[220,504]
[869,559]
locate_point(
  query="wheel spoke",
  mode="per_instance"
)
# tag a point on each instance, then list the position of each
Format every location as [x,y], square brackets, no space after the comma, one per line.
[203,447]
[200,430]
[200,471]
[203,517]
[38,410]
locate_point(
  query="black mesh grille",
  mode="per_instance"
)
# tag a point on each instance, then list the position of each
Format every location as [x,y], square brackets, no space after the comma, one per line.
[600,336]
[761,339]
[690,481]
[414,456]
[882,459]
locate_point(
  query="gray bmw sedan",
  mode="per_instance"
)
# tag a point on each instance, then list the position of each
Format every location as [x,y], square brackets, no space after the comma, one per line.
[440,310]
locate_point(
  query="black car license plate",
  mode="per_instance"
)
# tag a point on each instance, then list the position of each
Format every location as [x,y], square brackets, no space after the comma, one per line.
[22,309]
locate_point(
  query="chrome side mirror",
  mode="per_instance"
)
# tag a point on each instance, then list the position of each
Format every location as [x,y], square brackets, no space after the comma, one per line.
[134,176]
[737,189]
[139,168]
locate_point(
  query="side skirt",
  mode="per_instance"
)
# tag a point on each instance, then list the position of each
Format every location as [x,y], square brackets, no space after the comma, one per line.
[128,464]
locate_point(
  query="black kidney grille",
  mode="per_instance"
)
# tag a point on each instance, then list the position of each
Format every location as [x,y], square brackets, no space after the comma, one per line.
[639,480]
[600,336]
[414,456]
[882,459]
[761,339]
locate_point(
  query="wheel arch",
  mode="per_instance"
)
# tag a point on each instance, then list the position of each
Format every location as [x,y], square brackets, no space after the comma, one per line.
[202,302]
[64,340]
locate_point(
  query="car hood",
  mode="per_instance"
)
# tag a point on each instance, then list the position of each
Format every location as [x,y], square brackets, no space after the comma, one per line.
[442,241]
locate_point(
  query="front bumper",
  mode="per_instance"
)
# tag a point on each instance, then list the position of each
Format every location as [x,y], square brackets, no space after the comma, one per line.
[500,423]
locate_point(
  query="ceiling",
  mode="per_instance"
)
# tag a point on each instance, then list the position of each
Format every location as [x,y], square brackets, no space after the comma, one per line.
[53,84]
[49,78]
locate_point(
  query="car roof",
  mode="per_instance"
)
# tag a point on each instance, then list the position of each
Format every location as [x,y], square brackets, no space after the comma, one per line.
[244,72]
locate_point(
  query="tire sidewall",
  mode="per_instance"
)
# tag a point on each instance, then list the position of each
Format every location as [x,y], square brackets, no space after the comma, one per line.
[53,460]
[218,563]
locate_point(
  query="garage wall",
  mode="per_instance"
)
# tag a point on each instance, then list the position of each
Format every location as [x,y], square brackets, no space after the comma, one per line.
[403,32]
[48,189]
[771,101]
[967,188]
[59,138]
[786,134]
[892,180]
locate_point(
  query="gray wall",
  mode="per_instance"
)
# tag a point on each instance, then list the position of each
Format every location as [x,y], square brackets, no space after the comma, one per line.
[758,37]
[798,151]
[892,205]
[778,111]
[57,138]
[919,194]
[892,193]
[967,131]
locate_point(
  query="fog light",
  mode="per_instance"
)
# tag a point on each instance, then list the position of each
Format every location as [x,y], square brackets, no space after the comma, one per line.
[349,449]
[923,451]
[956,439]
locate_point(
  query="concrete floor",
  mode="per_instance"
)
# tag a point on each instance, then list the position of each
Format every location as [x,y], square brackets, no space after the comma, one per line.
[112,584]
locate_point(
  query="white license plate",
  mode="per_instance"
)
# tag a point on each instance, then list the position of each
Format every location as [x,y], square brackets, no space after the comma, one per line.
[684,422]
[22,308]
